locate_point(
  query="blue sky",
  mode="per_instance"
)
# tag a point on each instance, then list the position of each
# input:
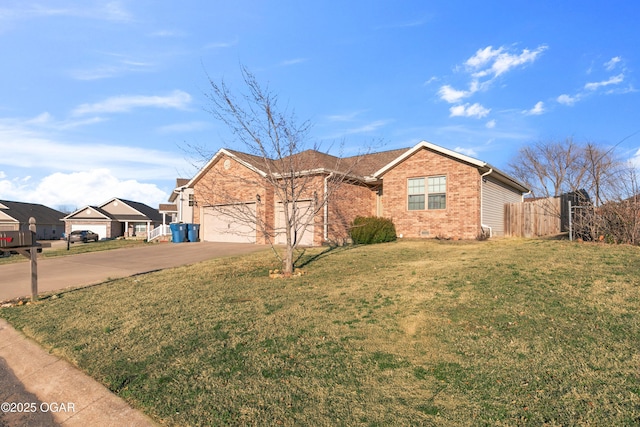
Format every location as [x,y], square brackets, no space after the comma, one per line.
[101,99]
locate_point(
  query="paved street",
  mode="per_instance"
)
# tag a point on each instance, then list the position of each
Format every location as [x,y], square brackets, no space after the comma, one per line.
[96,267]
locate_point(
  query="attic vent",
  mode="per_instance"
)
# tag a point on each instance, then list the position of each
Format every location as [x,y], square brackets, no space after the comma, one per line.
[88,212]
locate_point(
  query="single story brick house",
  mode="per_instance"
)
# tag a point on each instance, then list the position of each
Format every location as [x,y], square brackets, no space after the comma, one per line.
[115,218]
[14,216]
[427,190]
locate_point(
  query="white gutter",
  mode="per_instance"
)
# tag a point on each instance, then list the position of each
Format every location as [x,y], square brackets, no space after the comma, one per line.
[482,201]
[181,193]
[326,206]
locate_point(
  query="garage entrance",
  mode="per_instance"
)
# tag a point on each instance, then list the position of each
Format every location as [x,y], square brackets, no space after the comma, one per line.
[229,223]
[305,212]
[99,229]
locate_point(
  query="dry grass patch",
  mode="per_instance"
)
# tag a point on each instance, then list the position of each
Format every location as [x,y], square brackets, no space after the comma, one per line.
[511,332]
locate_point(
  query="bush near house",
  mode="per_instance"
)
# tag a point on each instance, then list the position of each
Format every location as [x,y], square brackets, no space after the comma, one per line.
[368,230]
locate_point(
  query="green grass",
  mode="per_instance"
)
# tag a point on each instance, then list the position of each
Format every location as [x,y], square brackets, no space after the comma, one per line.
[504,332]
[78,248]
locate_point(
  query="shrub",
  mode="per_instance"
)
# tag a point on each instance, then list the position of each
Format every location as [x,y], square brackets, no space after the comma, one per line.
[367,230]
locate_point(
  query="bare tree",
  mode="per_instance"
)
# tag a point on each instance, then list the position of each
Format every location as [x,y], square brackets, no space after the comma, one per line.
[620,216]
[549,168]
[290,171]
[606,190]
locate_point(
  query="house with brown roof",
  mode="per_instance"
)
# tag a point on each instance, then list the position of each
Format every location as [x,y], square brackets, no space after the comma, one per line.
[114,218]
[180,206]
[427,190]
[14,216]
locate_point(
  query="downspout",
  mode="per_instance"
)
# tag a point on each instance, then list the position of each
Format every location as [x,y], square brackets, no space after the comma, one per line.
[483,226]
[326,206]
[180,192]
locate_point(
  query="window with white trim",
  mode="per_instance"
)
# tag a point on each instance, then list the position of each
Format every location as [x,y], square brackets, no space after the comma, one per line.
[140,227]
[432,190]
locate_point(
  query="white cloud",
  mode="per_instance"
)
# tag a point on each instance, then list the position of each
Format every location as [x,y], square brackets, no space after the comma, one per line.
[293,61]
[408,24]
[536,110]
[469,110]
[25,144]
[452,95]
[431,80]
[612,81]
[369,127]
[490,124]
[222,45]
[118,68]
[47,121]
[466,151]
[121,104]
[346,117]
[109,11]
[495,62]
[168,33]
[79,189]
[567,99]
[611,64]
[483,68]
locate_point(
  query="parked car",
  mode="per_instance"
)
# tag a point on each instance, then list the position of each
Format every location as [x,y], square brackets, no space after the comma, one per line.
[83,236]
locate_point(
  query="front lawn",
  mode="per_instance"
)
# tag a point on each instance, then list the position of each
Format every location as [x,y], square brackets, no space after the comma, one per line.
[504,332]
[77,248]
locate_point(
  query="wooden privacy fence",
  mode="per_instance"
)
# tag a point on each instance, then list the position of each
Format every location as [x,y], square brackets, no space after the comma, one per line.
[533,218]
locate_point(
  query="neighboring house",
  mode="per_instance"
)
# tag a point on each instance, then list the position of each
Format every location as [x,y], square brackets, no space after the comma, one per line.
[427,190]
[180,206]
[115,218]
[14,216]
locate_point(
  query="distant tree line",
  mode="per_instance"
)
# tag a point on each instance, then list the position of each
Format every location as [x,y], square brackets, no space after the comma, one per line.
[605,187]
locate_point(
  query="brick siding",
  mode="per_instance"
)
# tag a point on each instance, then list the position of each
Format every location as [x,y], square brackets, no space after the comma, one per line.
[461,217]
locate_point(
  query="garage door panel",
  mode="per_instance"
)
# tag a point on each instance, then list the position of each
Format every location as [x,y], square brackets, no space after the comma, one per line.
[305,213]
[230,223]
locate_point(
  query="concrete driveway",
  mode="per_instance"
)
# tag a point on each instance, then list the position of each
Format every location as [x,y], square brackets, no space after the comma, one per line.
[96,267]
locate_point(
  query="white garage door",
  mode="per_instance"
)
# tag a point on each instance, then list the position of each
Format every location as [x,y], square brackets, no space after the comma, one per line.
[305,214]
[99,229]
[230,223]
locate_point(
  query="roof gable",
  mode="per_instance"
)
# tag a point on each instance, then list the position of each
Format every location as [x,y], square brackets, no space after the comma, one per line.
[244,159]
[479,164]
[89,212]
[5,217]
[429,146]
[122,209]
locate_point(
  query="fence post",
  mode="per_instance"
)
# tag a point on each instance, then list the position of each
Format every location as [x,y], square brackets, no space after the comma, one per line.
[33,251]
[570,223]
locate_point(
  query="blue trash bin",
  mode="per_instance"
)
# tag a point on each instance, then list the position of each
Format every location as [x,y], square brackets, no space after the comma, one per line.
[178,232]
[192,232]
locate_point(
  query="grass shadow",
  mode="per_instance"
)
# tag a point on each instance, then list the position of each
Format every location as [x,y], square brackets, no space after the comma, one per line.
[304,260]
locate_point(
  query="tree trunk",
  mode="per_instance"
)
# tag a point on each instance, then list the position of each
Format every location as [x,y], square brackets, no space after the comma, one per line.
[287,261]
